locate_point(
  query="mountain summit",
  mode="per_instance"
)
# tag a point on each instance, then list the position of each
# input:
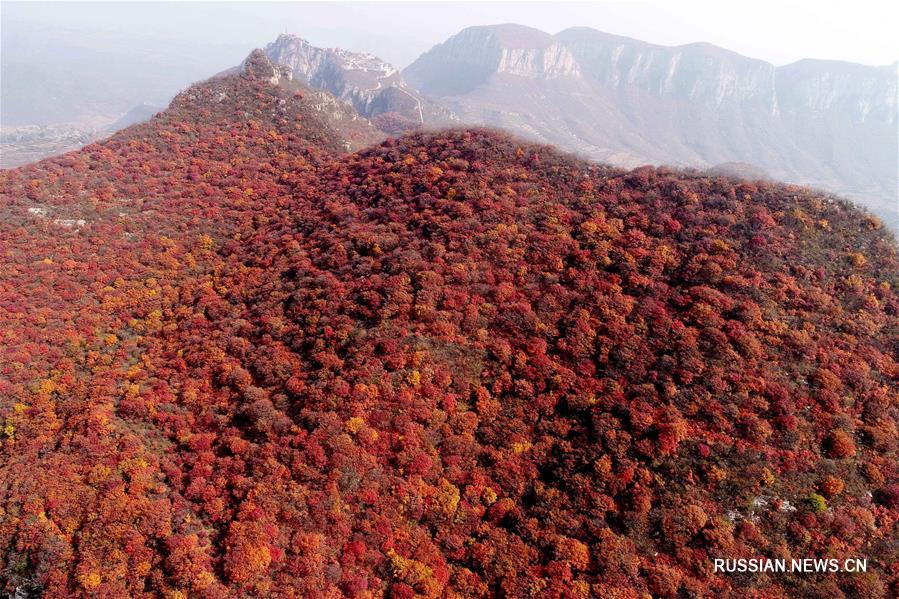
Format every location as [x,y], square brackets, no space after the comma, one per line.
[372,86]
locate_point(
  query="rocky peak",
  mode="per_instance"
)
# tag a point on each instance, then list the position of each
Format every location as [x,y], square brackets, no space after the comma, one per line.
[308,62]
[259,66]
[371,85]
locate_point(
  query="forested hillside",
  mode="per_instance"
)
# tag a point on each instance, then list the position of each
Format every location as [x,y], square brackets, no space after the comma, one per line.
[238,360]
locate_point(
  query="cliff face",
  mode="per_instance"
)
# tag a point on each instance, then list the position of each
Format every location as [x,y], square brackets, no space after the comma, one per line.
[552,61]
[697,73]
[470,58]
[371,85]
[858,93]
[616,99]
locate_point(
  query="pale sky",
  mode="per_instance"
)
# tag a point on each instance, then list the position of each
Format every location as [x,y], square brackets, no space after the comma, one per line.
[82,63]
[779,31]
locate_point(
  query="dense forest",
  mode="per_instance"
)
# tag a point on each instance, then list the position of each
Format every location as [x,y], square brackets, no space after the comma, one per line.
[237,360]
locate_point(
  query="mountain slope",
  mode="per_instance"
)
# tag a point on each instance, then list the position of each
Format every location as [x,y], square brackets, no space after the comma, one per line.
[237,362]
[97,246]
[628,102]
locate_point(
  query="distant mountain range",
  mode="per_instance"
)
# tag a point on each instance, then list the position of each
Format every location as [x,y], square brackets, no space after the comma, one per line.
[619,100]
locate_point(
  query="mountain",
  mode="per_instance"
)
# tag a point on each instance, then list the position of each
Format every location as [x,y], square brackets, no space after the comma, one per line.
[237,360]
[372,86]
[123,224]
[611,98]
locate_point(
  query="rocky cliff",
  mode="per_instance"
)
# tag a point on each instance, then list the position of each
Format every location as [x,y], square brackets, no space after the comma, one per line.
[371,85]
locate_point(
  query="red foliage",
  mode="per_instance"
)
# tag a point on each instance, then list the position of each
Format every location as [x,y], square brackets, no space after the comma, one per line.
[840,445]
[235,362]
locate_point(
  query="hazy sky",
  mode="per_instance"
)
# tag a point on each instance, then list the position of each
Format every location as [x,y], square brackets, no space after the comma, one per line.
[779,31]
[88,63]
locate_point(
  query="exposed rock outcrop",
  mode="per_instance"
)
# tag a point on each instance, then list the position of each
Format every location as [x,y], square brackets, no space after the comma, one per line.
[259,66]
[370,84]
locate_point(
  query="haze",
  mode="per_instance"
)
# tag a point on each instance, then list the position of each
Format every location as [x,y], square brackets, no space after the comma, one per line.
[779,31]
[85,64]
